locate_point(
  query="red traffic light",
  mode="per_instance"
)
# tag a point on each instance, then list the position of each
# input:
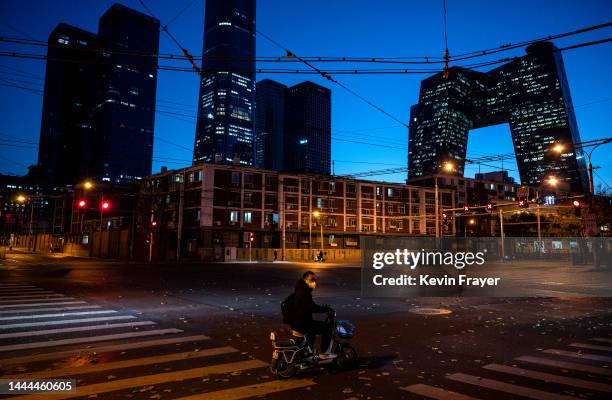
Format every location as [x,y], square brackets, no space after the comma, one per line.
[490,207]
[523,204]
[251,237]
[466,208]
[105,205]
[82,203]
[576,204]
[153,223]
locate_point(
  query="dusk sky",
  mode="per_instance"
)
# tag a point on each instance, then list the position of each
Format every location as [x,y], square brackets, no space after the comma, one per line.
[390,28]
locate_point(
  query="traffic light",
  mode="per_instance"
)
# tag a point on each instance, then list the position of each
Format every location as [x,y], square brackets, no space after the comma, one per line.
[466,208]
[105,205]
[490,207]
[577,208]
[82,203]
[522,204]
[251,237]
[153,224]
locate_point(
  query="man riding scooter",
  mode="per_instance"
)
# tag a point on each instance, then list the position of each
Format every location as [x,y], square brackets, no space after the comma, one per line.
[303,308]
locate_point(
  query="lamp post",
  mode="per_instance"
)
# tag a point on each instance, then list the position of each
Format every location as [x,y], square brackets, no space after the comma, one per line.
[448,167]
[471,221]
[552,182]
[317,215]
[558,148]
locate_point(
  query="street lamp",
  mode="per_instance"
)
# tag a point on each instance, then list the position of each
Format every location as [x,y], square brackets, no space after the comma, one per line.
[317,215]
[471,221]
[88,185]
[447,167]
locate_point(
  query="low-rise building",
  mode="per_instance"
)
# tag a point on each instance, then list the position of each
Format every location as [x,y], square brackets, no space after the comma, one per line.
[212,206]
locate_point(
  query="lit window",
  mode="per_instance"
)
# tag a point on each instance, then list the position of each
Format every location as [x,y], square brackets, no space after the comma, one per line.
[234,216]
[248,217]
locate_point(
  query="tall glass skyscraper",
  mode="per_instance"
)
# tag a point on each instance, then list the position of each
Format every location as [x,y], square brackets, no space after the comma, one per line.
[226,106]
[531,93]
[99,100]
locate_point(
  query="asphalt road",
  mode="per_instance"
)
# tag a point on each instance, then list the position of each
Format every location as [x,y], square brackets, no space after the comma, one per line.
[165,331]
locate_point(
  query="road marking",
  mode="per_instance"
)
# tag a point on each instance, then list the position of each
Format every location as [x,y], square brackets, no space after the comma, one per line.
[4,296]
[244,392]
[47,309]
[77,329]
[155,379]
[508,387]
[564,380]
[577,354]
[65,322]
[89,339]
[26,290]
[605,340]
[436,392]
[54,297]
[101,349]
[14,285]
[41,304]
[566,365]
[135,362]
[591,346]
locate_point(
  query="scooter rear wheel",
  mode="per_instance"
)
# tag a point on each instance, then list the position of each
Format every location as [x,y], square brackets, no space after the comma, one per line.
[283,369]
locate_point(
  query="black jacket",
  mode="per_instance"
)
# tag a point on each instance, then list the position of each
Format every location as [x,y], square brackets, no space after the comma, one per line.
[304,307]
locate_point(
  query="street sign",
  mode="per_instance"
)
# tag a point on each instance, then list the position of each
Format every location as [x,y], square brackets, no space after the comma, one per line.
[523,191]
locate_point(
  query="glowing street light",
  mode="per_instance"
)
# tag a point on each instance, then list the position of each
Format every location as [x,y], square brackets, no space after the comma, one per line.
[21,198]
[88,185]
[317,215]
[449,167]
[558,148]
[472,221]
[553,181]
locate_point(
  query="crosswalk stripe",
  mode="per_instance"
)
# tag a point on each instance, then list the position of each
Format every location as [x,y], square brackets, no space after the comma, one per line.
[508,387]
[25,290]
[66,321]
[155,379]
[41,304]
[14,285]
[564,380]
[64,314]
[77,329]
[566,365]
[435,392]
[101,349]
[244,392]
[135,362]
[28,295]
[591,346]
[88,339]
[605,340]
[577,354]
[42,298]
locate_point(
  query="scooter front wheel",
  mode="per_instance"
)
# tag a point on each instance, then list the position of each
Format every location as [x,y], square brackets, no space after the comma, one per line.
[347,356]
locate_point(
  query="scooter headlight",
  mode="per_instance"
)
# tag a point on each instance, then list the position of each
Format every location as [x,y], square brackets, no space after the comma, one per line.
[272,336]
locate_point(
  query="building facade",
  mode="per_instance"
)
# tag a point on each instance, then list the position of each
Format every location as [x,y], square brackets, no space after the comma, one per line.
[270,124]
[293,127]
[99,100]
[210,206]
[307,145]
[530,93]
[226,103]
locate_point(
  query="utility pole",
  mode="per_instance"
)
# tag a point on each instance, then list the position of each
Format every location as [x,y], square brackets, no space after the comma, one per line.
[437,211]
[502,234]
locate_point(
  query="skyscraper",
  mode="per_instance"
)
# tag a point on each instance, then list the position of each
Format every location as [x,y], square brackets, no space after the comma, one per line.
[99,100]
[307,144]
[125,114]
[66,146]
[226,106]
[270,124]
[531,93]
